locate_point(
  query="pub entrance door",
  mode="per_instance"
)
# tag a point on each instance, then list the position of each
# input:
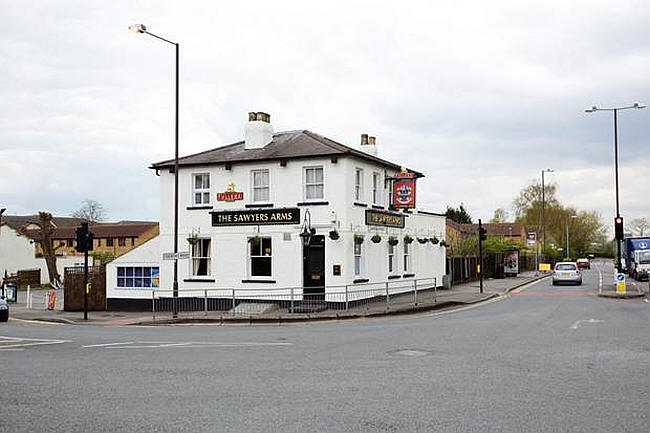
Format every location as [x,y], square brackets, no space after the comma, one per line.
[314,268]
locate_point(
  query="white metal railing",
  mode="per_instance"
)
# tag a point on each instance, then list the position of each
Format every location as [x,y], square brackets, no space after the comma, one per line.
[273,302]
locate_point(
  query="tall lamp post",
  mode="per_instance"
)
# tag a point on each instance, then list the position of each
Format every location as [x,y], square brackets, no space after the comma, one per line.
[615,110]
[140,28]
[568,251]
[547,170]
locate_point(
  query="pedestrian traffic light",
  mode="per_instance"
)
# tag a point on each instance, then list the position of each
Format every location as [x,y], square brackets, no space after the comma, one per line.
[618,228]
[482,233]
[84,239]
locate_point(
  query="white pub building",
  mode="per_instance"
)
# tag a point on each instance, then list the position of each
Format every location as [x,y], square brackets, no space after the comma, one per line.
[287,211]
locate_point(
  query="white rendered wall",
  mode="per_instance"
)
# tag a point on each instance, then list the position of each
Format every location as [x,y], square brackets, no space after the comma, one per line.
[146,254]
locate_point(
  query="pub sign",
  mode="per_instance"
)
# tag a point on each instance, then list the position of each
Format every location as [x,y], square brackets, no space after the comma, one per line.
[384,219]
[255,217]
[404,190]
[230,194]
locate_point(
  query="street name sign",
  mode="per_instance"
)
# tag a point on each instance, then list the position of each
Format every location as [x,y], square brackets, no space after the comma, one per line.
[176,256]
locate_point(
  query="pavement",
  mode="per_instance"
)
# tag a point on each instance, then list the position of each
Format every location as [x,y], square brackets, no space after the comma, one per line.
[540,358]
[607,284]
[458,295]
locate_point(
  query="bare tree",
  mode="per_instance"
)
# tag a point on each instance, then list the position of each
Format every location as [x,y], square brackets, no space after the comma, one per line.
[90,210]
[500,215]
[44,239]
[639,226]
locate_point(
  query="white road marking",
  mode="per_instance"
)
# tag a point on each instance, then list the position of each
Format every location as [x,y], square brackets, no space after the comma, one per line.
[190,344]
[15,342]
[108,344]
[36,322]
[578,322]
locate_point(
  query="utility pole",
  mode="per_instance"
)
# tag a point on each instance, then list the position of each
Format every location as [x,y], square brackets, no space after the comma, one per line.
[548,170]
[482,235]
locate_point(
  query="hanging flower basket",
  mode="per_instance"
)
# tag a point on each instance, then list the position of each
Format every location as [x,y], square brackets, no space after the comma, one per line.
[375,239]
[334,235]
[443,244]
[423,240]
[434,240]
[192,239]
[393,240]
[254,240]
[358,239]
[408,239]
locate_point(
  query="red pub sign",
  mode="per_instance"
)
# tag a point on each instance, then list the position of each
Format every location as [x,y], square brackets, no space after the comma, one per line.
[230,194]
[404,190]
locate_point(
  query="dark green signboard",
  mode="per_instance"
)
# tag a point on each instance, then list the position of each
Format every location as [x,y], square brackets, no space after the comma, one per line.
[255,217]
[385,219]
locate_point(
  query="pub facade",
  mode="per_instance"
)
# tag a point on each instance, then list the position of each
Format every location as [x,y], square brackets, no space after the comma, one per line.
[295,210]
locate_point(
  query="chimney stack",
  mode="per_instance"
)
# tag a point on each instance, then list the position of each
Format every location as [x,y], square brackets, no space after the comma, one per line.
[368,144]
[258,131]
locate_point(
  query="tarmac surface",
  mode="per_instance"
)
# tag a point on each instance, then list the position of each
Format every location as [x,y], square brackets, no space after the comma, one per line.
[538,359]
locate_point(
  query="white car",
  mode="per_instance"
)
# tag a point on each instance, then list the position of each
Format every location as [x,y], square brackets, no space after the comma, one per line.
[4,310]
[567,272]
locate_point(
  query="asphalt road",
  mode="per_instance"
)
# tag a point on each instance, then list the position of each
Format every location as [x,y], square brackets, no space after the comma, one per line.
[551,359]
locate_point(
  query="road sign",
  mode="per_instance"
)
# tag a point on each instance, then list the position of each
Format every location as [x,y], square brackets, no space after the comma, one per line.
[531,238]
[545,267]
[620,283]
[181,255]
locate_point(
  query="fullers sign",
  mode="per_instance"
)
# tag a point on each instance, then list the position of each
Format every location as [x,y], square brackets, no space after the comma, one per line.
[255,217]
[404,190]
[386,219]
[230,194]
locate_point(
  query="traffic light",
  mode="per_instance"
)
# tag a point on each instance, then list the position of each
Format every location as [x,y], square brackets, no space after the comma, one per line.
[618,228]
[84,239]
[482,233]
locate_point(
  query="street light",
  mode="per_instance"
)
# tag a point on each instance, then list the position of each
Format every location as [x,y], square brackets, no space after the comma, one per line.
[568,251]
[547,170]
[140,28]
[615,110]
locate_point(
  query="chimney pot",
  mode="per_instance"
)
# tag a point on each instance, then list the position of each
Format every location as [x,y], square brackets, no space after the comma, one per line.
[252,116]
[371,141]
[364,139]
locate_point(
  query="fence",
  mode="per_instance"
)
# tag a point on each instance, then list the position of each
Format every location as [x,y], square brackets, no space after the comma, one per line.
[294,300]
[465,269]
[74,288]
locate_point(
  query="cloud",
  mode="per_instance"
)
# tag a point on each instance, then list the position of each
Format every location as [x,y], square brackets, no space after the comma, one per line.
[478,96]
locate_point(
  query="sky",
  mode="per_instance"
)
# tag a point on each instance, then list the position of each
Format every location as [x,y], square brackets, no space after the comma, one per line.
[479,96]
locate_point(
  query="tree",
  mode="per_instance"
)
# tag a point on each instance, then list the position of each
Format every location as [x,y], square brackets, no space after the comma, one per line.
[639,226]
[90,210]
[459,215]
[45,241]
[500,215]
[531,196]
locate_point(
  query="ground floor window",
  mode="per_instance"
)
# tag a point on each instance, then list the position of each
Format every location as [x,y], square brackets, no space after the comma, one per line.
[138,276]
[407,257]
[358,258]
[391,258]
[201,264]
[260,257]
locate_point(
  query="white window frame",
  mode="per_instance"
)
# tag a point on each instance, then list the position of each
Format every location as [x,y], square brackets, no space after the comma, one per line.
[376,190]
[250,257]
[392,268]
[305,185]
[360,270]
[203,191]
[193,270]
[261,187]
[408,268]
[358,184]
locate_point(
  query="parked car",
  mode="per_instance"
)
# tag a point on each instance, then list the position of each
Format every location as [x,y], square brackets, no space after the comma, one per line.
[583,264]
[4,310]
[567,272]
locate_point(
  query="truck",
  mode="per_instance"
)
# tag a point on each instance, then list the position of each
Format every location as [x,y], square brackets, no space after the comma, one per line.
[631,244]
[640,266]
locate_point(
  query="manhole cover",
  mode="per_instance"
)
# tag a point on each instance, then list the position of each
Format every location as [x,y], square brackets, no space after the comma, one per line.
[410,352]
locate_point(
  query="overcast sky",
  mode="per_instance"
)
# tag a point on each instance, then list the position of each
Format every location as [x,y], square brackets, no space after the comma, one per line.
[480,96]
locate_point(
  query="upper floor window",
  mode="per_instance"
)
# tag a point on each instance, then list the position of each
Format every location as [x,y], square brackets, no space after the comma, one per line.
[314,183]
[121,242]
[201,183]
[376,188]
[201,258]
[109,242]
[260,184]
[358,184]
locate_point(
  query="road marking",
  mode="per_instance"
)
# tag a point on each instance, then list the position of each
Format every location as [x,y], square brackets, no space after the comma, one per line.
[578,322]
[16,342]
[36,322]
[107,344]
